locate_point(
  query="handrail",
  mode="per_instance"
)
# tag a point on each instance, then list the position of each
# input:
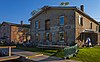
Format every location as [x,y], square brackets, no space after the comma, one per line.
[7,46]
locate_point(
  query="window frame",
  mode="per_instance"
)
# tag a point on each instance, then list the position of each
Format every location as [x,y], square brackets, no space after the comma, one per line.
[80,20]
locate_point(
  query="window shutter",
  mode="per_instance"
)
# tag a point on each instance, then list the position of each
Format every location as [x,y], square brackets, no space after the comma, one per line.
[35,36]
[65,20]
[45,36]
[38,36]
[65,36]
[39,24]
[57,36]
[50,36]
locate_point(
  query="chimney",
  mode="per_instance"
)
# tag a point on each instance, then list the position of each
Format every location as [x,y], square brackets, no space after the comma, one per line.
[82,8]
[21,22]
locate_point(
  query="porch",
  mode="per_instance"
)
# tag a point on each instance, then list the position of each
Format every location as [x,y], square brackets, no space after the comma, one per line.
[94,37]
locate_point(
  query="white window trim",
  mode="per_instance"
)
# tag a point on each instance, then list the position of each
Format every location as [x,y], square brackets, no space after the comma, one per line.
[79,20]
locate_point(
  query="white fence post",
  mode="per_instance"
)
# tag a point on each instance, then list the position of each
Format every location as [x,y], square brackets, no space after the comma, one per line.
[9,51]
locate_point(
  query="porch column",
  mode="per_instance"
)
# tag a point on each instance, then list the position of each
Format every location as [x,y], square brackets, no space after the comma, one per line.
[9,51]
[83,38]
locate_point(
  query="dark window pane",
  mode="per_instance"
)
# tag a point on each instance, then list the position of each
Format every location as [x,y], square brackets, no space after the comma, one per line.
[36,24]
[62,20]
[47,25]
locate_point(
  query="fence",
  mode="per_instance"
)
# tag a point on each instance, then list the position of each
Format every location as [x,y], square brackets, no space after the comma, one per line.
[70,51]
[6,50]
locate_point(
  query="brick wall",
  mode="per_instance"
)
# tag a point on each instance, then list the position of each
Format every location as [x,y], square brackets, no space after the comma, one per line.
[54,15]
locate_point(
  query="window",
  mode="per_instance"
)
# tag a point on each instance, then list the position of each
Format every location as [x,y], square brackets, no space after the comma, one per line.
[61,36]
[61,20]
[80,20]
[37,36]
[97,28]
[3,25]
[91,25]
[47,36]
[47,24]
[36,24]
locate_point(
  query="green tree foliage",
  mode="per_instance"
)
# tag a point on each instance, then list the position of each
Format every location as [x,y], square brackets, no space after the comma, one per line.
[33,12]
[64,3]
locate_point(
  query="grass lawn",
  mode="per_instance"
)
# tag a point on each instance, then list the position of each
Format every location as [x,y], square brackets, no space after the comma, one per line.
[88,54]
[84,54]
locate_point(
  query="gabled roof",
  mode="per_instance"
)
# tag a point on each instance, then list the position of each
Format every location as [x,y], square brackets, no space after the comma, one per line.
[63,7]
[24,25]
[9,23]
[14,24]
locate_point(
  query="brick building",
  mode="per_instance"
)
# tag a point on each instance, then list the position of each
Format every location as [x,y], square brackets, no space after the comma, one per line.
[99,27]
[11,32]
[63,25]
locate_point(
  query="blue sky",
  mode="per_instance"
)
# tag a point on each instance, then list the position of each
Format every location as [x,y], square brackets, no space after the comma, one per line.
[17,10]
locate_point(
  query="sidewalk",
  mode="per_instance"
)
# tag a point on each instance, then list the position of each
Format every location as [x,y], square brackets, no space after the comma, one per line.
[37,57]
[26,54]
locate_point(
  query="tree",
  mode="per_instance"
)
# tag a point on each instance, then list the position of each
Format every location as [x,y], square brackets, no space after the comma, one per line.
[64,3]
[35,11]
